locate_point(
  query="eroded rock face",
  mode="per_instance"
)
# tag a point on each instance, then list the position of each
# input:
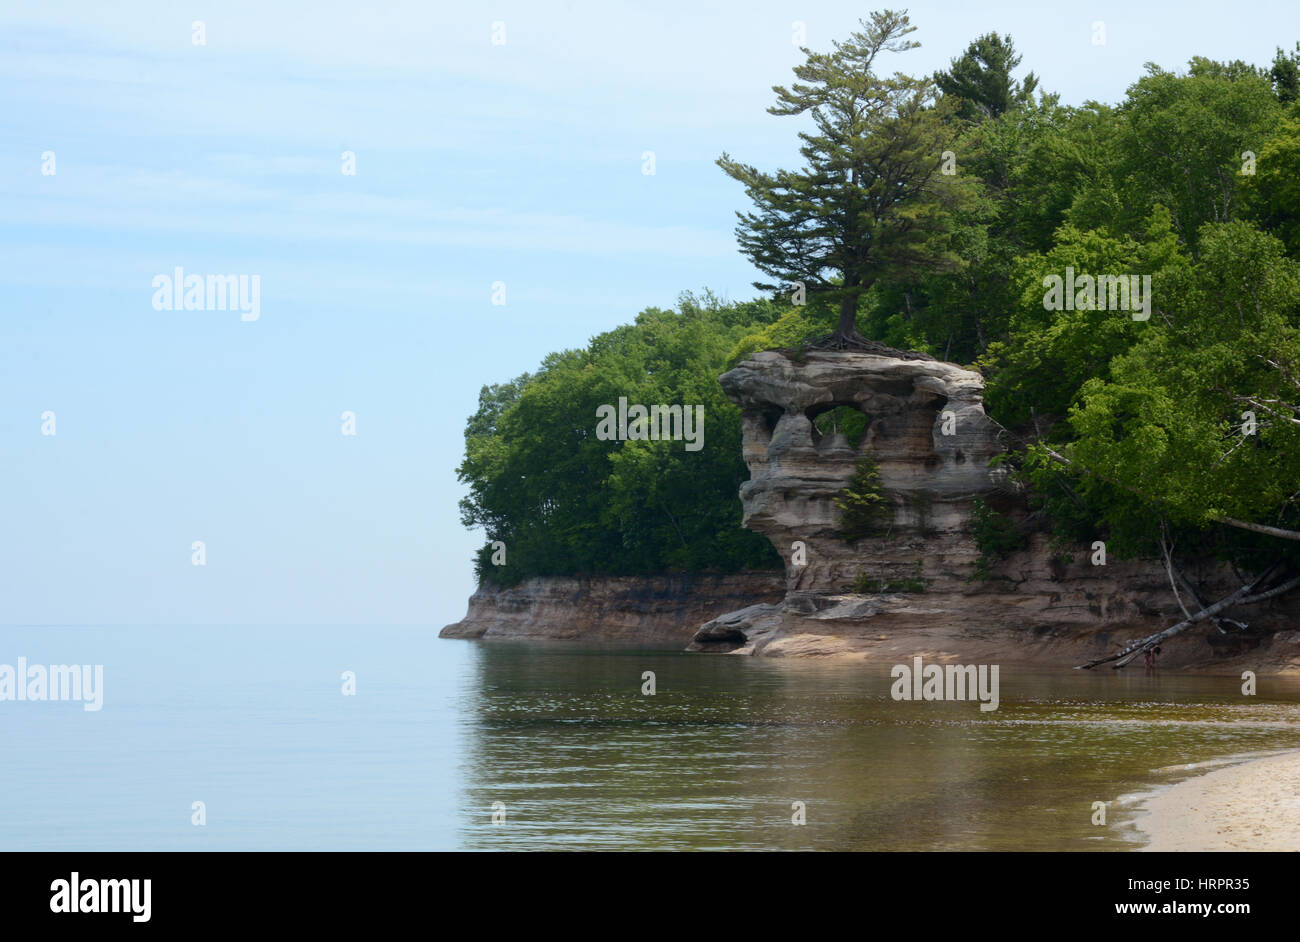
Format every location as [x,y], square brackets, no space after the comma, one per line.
[927,430]
[641,609]
[1041,603]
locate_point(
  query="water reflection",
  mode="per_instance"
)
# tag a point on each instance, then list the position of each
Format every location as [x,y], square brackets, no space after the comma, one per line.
[581,759]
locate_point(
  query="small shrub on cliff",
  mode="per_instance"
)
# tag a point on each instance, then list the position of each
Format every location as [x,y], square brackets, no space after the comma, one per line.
[921,505]
[865,585]
[995,535]
[786,333]
[861,503]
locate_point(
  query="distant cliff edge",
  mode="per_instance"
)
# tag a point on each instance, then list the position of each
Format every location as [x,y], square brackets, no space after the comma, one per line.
[664,609]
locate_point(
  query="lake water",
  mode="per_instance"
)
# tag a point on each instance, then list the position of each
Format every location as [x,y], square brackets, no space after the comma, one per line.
[253,723]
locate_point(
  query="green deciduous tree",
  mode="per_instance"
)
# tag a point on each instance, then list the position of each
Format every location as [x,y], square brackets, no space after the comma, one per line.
[1182,143]
[566,502]
[1285,75]
[1167,424]
[1272,193]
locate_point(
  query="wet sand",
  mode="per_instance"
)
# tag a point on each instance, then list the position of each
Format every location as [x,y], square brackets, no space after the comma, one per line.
[1251,806]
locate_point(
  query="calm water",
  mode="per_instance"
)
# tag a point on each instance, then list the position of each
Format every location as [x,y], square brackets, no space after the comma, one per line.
[252,722]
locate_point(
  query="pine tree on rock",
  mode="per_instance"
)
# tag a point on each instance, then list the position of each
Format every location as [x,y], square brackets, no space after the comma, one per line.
[873,197]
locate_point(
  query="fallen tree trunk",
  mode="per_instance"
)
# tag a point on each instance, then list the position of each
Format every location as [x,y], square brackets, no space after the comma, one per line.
[1243,596]
[1275,591]
[1176,578]
[1219,622]
[1260,528]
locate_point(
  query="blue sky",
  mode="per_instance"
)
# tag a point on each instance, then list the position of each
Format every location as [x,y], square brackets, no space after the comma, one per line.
[475,163]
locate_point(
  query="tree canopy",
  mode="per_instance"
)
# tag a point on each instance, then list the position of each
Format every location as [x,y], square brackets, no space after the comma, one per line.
[563,501]
[1184,424]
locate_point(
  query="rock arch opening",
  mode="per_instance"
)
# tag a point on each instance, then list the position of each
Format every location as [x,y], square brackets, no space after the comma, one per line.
[838,425]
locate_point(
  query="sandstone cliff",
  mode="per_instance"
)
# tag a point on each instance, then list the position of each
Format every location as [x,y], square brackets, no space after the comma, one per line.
[932,440]
[930,437]
[929,433]
[644,609]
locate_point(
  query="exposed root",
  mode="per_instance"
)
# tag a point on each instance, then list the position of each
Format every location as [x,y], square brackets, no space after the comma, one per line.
[859,344]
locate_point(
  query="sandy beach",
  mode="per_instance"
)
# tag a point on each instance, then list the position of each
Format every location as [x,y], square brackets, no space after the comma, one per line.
[1251,806]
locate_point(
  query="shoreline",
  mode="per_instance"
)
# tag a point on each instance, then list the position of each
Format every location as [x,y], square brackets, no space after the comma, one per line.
[752,613]
[1253,805]
[1063,648]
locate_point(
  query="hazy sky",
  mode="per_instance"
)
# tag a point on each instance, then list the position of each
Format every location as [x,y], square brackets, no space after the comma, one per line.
[475,163]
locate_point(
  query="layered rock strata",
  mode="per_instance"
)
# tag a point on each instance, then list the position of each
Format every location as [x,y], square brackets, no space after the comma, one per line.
[644,609]
[932,440]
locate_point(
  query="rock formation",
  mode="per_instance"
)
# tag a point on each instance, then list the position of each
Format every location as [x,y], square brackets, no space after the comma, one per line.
[640,609]
[928,432]
[931,438]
